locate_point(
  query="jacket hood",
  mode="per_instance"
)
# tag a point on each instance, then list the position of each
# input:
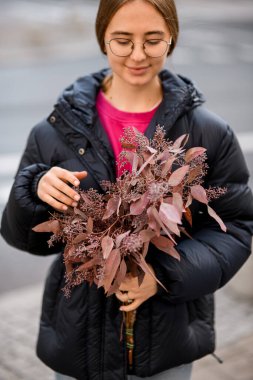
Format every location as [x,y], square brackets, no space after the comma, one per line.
[180,95]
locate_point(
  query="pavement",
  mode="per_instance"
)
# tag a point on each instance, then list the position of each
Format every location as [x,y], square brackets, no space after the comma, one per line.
[19,319]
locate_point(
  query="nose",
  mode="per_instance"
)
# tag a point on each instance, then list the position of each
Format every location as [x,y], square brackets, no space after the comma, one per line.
[138,53]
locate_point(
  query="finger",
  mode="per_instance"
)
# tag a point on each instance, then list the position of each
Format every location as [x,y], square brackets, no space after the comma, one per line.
[66,190]
[54,203]
[62,198]
[80,175]
[131,307]
[65,175]
[124,287]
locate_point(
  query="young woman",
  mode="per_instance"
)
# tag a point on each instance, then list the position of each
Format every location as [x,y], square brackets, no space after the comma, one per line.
[79,144]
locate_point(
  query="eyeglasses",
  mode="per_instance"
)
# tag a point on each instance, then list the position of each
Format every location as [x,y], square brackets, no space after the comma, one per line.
[124,47]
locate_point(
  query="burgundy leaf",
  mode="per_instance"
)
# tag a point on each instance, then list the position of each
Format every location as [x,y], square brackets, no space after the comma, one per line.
[178,175]
[151,150]
[194,173]
[178,203]
[145,249]
[112,207]
[49,226]
[169,212]
[198,192]
[137,208]
[111,267]
[182,229]
[86,199]
[146,235]
[152,222]
[80,237]
[89,225]
[165,155]
[193,153]
[144,266]
[213,214]
[189,201]
[120,276]
[181,141]
[107,244]
[89,264]
[171,226]
[165,245]
[159,221]
[77,211]
[167,166]
[145,164]
[120,237]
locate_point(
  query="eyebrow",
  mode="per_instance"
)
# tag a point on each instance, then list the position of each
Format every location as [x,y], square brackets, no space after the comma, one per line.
[161,33]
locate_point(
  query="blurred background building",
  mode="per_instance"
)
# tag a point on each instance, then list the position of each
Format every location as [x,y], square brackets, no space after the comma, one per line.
[44,46]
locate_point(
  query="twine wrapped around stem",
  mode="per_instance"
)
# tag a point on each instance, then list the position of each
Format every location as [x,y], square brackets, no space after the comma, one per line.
[129,318]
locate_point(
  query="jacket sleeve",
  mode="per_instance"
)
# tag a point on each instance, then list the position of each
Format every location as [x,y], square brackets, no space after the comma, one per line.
[24,209]
[212,257]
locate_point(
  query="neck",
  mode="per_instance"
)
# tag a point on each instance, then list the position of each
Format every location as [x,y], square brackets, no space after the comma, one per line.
[132,98]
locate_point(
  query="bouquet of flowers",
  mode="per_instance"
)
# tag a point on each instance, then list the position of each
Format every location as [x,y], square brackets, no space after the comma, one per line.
[108,235]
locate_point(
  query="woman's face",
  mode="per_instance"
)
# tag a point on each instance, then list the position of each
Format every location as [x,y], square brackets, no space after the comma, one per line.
[139,21]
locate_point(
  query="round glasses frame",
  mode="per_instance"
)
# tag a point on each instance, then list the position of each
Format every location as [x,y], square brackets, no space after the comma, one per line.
[168,44]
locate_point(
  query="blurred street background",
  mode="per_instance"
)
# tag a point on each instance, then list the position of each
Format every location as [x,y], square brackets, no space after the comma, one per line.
[44,46]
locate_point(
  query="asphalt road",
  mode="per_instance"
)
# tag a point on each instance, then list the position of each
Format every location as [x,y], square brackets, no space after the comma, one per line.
[215,50]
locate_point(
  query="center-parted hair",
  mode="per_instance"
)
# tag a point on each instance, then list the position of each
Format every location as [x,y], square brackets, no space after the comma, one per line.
[108,8]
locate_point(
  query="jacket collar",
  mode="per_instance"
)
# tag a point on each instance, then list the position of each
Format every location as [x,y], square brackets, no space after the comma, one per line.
[180,95]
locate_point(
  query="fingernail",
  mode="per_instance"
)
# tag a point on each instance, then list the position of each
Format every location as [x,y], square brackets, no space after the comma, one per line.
[64,208]
[76,183]
[77,197]
[74,204]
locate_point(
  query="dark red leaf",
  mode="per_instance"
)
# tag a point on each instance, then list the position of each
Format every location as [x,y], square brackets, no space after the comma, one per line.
[146,235]
[48,226]
[107,244]
[178,175]
[181,141]
[169,212]
[193,153]
[213,214]
[79,238]
[198,192]
[137,208]
[165,245]
[112,207]
[111,267]
[120,237]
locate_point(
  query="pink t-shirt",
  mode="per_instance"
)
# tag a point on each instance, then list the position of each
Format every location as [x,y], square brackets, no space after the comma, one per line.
[114,121]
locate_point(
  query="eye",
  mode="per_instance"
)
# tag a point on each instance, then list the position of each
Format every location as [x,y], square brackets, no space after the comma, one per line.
[123,41]
[152,42]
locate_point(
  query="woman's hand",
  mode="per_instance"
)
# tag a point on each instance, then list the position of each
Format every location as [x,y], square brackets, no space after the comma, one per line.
[54,188]
[139,294]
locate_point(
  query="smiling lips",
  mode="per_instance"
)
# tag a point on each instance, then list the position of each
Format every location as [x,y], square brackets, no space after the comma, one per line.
[138,70]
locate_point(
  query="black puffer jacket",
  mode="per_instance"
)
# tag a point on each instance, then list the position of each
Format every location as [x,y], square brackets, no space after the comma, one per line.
[80,336]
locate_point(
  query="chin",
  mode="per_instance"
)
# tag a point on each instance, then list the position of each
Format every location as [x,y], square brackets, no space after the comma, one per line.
[139,80]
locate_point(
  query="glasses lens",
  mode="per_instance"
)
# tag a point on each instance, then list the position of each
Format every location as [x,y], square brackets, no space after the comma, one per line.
[155,48]
[121,47]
